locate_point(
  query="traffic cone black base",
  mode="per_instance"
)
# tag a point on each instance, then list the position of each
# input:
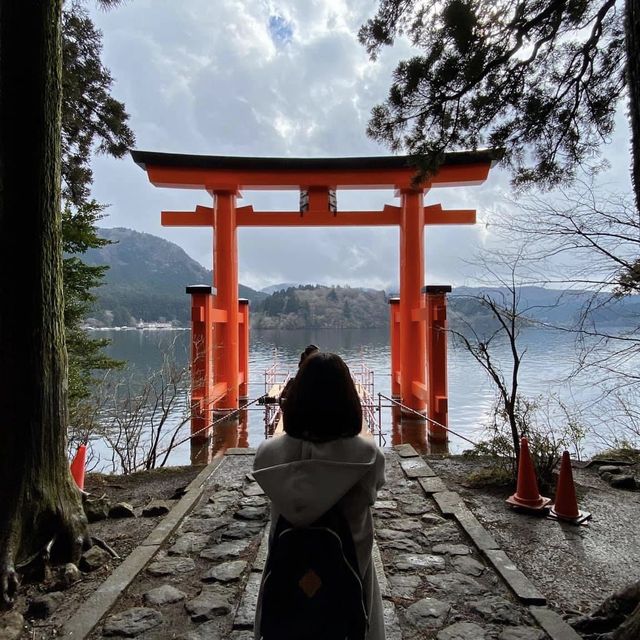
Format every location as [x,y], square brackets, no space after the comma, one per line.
[565,507]
[540,507]
[527,498]
[581,518]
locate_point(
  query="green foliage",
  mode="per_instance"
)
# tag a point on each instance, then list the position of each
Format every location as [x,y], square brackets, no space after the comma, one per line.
[85,354]
[629,280]
[313,306]
[92,120]
[491,476]
[540,80]
[624,451]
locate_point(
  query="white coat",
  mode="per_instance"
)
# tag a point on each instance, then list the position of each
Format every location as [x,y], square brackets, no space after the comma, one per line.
[305,479]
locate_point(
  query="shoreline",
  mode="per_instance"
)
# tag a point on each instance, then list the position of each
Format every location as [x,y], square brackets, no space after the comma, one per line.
[149,327]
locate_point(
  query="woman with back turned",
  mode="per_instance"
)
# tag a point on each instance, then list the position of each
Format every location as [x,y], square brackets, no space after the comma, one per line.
[321,466]
[309,350]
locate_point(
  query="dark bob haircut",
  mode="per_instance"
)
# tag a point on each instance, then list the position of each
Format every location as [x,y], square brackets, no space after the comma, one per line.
[322,403]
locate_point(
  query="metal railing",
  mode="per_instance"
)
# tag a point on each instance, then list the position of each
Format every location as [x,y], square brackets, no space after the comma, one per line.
[364,377]
[371,409]
[273,375]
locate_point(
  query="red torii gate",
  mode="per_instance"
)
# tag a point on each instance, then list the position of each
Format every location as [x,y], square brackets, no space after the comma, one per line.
[418,318]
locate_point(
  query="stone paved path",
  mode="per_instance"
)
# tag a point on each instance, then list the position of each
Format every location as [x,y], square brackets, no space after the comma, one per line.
[441,578]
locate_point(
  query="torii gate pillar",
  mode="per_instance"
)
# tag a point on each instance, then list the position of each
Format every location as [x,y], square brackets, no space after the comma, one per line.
[413,386]
[226,361]
[394,343]
[436,337]
[243,318]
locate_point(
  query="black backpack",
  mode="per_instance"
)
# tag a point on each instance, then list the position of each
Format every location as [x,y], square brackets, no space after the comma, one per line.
[312,588]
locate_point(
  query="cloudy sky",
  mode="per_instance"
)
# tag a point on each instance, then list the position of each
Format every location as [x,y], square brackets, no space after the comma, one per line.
[273,78]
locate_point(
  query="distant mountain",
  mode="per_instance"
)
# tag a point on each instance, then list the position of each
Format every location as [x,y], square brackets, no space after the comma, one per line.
[316,306]
[279,287]
[551,306]
[146,280]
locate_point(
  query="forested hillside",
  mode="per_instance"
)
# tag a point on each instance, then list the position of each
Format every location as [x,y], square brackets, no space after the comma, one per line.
[146,280]
[316,306]
[147,277]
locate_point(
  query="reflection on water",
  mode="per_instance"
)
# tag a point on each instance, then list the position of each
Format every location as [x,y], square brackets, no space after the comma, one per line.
[229,433]
[549,357]
[414,432]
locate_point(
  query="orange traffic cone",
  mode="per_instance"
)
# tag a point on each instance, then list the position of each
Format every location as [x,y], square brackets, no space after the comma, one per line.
[566,504]
[527,496]
[77,466]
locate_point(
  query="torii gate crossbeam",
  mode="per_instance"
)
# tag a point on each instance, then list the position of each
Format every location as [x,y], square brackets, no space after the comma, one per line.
[418,318]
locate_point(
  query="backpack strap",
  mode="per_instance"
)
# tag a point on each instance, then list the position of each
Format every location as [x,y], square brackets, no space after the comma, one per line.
[335,520]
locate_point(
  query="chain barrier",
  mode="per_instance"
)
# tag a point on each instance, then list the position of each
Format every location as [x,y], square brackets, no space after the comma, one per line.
[261,400]
[209,426]
[423,417]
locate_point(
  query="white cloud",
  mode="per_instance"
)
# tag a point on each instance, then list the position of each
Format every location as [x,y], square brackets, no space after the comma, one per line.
[219,78]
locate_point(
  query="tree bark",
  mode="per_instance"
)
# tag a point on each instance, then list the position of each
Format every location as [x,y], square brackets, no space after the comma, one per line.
[38,499]
[630,628]
[632,41]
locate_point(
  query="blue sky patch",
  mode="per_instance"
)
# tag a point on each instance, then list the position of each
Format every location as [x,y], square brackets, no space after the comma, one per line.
[280,29]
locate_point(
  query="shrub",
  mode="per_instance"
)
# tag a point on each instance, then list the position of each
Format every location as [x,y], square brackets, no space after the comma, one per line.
[622,450]
[550,429]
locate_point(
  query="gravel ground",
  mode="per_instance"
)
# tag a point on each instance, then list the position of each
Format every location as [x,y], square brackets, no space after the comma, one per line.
[575,567]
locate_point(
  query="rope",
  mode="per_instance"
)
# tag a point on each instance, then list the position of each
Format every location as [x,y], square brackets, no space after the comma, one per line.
[405,408]
[262,397]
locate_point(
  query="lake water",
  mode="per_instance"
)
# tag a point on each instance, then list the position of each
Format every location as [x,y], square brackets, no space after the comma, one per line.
[549,357]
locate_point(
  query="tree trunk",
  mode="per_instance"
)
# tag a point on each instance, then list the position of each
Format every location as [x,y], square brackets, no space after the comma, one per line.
[38,500]
[617,618]
[632,40]
[630,628]
[513,423]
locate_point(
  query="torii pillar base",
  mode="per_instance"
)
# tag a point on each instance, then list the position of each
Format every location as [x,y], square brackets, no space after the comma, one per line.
[436,334]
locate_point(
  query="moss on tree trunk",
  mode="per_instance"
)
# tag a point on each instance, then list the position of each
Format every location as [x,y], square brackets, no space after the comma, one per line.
[38,500]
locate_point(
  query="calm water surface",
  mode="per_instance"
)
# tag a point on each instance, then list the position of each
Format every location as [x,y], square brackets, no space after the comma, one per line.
[548,359]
